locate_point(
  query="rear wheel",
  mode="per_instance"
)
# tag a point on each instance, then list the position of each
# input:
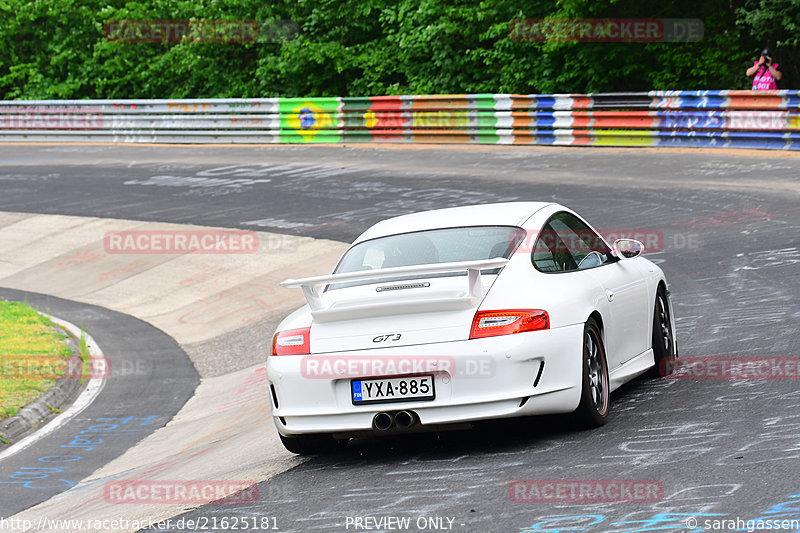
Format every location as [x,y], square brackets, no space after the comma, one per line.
[311,444]
[664,349]
[595,394]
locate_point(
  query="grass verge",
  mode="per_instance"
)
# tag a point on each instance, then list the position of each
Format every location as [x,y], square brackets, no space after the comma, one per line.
[33,355]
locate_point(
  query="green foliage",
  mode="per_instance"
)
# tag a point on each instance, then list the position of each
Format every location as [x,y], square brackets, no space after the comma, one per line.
[58,49]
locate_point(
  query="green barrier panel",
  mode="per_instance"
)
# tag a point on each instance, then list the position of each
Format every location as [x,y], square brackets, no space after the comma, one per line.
[306,118]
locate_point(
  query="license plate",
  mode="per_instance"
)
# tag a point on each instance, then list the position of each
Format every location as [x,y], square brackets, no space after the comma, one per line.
[392,389]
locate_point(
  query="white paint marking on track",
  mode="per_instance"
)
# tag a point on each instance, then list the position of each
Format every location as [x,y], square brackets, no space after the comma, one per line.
[83,401]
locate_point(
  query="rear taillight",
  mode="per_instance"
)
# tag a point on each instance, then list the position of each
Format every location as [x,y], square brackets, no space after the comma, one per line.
[292,342]
[508,321]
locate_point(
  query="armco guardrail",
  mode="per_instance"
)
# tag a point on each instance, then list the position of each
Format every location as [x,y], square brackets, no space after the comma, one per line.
[737,119]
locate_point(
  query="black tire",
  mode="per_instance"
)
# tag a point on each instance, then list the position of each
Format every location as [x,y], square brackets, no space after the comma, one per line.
[665,351]
[593,409]
[311,444]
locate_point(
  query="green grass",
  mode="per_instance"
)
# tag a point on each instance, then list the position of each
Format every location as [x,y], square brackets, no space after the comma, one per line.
[33,355]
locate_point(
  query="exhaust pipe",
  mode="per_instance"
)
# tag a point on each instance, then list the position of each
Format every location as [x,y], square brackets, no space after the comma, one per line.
[405,419]
[383,421]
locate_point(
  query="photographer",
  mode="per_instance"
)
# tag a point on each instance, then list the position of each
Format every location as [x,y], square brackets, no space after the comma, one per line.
[766,72]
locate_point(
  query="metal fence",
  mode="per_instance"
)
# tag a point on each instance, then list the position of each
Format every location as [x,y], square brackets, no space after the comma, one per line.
[736,119]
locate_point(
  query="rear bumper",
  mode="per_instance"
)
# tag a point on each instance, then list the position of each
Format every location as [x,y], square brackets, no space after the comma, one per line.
[531,373]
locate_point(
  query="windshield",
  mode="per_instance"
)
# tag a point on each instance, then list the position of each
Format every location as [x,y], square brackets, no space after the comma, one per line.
[432,246]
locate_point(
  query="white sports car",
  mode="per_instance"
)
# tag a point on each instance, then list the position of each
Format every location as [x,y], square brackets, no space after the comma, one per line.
[466,314]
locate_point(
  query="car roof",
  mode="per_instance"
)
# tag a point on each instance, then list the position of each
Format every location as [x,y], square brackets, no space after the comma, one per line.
[499,214]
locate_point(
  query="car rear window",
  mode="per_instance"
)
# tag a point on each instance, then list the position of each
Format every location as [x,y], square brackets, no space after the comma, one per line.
[431,247]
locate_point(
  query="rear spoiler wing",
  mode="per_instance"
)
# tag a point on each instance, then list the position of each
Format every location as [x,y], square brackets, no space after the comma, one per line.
[473,269]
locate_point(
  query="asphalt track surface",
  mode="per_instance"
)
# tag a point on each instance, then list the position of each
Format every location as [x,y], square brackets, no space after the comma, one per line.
[149,379]
[729,227]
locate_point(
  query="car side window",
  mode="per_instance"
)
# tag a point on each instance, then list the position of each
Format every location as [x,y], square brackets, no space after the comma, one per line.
[566,243]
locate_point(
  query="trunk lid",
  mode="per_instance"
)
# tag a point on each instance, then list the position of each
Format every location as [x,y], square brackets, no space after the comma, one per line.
[395,307]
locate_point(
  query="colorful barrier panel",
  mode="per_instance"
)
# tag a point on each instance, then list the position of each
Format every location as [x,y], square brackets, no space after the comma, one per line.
[727,119]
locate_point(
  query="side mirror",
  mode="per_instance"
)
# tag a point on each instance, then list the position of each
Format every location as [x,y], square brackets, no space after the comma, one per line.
[628,248]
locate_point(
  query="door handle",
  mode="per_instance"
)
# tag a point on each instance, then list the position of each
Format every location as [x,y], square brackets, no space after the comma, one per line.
[610,295]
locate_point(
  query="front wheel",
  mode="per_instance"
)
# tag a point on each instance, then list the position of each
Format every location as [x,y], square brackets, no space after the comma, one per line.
[311,444]
[592,411]
[664,349]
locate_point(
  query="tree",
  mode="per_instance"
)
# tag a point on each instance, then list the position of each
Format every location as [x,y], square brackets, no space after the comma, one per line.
[62,48]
